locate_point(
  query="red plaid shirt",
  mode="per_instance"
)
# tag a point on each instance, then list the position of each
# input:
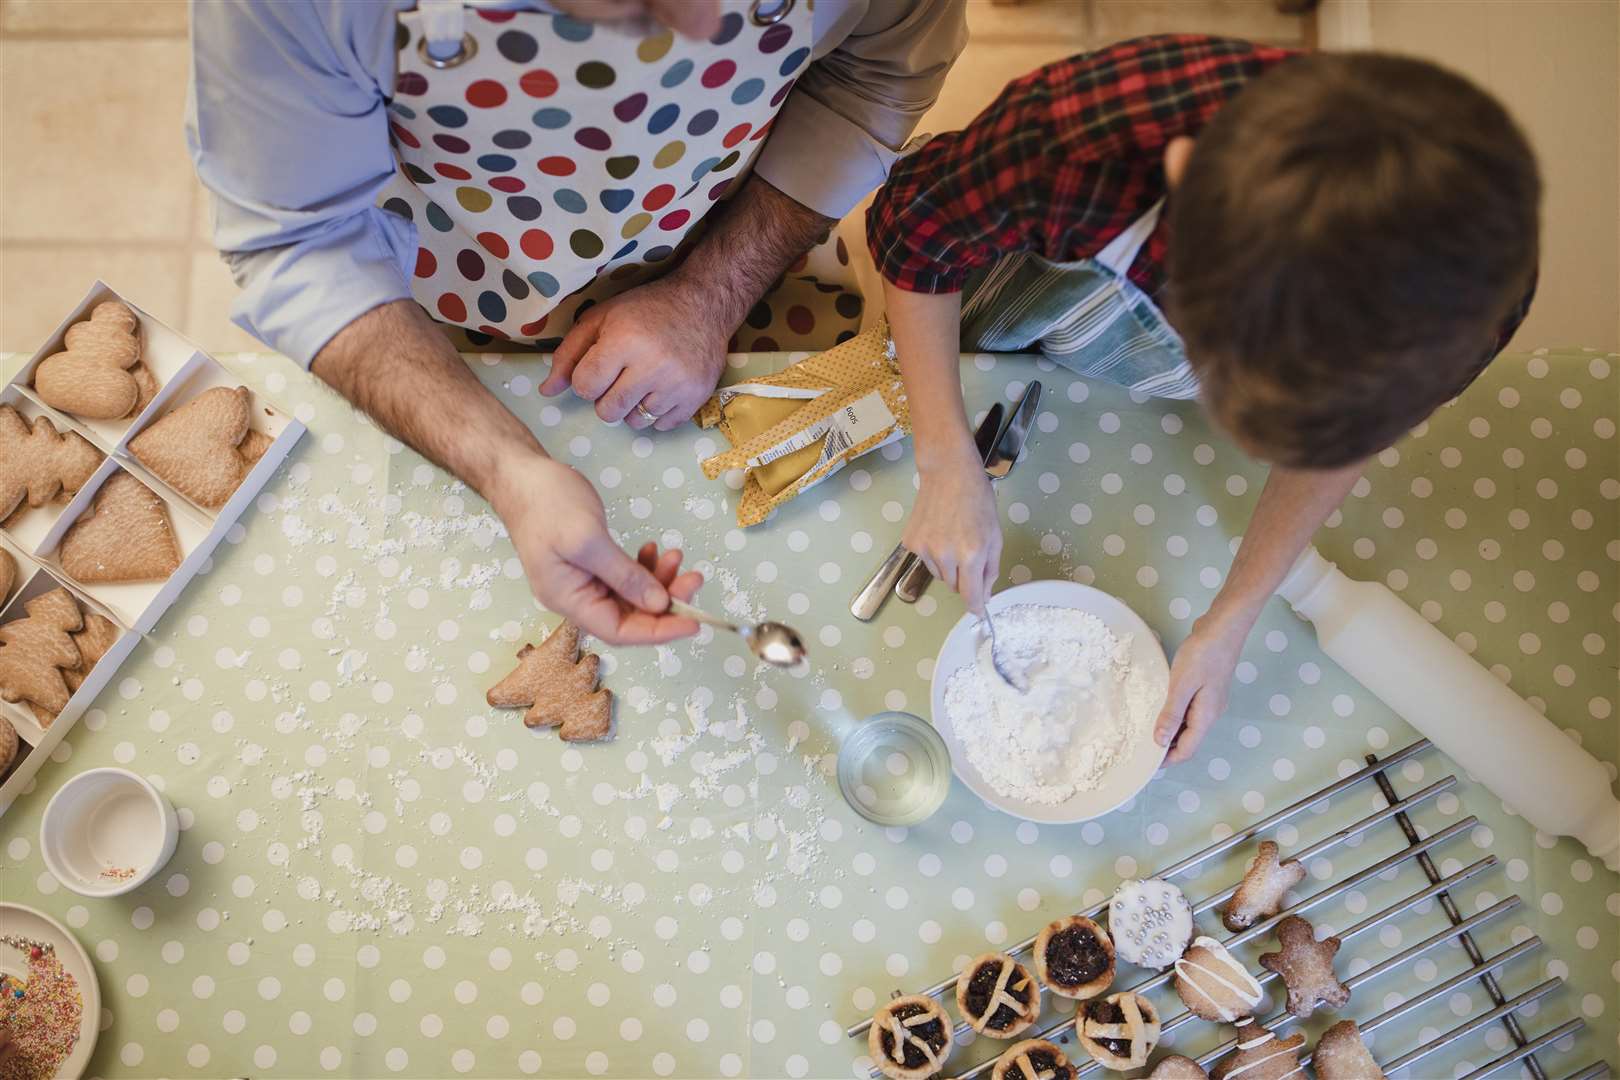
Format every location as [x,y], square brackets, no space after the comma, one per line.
[1061,163]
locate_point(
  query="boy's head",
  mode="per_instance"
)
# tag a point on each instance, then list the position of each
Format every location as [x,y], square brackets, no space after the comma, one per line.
[1347,237]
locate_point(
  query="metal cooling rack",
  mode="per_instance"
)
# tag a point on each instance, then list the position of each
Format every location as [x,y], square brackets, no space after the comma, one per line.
[1482,969]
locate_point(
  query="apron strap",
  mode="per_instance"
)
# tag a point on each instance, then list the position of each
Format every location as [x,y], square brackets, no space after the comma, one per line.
[1121,250]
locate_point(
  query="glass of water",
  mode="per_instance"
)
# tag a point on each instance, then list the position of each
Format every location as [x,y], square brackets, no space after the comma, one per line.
[894,769]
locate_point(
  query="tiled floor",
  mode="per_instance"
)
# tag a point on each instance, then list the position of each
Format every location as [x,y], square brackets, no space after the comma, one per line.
[96,182]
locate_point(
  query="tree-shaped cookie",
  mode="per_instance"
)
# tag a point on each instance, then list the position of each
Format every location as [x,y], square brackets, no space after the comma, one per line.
[37,462]
[1261,1055]
[1306,967]
[558,687]
[96,374]
[35,649]
[203,449]
[124,536]
[93,641]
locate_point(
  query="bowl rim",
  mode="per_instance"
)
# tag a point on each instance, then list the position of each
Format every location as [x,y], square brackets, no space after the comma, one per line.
[1145,639]
[51,827]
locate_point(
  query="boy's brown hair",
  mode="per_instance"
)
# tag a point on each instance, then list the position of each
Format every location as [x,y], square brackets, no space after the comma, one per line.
[1349,236]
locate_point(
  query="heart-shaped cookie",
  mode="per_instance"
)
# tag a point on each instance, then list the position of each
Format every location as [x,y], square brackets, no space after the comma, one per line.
[124,536]
[203,449]
[93,377]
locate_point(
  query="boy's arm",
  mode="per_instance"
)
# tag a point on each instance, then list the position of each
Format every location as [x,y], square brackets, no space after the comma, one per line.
[1291,508]
[953,526]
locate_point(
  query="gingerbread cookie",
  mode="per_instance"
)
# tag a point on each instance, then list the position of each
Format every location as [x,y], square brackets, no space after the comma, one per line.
[202,449]
[1150,922]
[997,997]
[8,575]
[1260,1055]
[1306,967]
[1176,1067]
[1213,985]
[1341,1054]
[35,649]
[8,745]
[558,687]
[1074,958]
[125,535]
[95,375]
[1033,1059]
[39,463]
[910,1038]
[1260,894]
[1120,1030]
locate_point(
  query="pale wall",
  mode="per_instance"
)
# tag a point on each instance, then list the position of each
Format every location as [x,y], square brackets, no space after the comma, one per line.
[1556,65]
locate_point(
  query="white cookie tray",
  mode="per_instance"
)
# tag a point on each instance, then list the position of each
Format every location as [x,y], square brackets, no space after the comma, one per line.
[183,371]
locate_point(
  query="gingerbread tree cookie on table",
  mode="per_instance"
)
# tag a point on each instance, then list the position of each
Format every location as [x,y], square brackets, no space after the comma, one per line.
[35,650]
[558,688]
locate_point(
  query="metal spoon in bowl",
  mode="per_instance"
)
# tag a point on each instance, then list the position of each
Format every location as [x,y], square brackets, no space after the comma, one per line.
[995,660]
[772,642]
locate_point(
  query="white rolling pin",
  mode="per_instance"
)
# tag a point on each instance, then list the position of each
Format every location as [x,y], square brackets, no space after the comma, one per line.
[1516,752]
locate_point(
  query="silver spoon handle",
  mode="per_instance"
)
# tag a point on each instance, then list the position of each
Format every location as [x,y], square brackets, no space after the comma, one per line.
[679,607]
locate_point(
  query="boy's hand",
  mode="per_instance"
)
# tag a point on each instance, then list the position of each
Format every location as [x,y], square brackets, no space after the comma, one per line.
[560,531]
[953,528]
[1200,677]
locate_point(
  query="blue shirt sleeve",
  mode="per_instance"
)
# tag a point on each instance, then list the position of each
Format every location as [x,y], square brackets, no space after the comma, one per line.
[287,125]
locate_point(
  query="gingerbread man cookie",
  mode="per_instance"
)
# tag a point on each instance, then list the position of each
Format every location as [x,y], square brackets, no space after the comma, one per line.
[98,374]
[1260,894]
[558,687]
[1306,967]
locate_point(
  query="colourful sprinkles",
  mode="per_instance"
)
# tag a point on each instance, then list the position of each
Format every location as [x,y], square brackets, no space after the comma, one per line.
[40,1016]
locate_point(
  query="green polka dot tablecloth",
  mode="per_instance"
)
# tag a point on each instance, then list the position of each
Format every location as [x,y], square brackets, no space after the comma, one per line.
[379,875]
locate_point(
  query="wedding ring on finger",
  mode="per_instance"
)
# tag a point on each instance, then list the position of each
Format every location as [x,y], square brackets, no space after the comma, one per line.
[641,411]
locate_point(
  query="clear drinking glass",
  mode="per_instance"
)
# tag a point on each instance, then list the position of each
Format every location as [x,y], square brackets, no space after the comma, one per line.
[894,769]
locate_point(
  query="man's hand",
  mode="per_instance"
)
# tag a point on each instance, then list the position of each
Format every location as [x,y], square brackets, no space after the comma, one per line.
[659,346]
[1199,680]
[954,530]
[560,531]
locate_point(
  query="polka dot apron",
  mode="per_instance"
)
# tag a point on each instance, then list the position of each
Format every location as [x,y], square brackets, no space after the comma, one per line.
[550,163]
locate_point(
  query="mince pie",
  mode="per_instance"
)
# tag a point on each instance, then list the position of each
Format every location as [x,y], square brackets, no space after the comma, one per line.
[1033,1059]
[1120,1030]
[1075,958]
[997,996]
[910,1038]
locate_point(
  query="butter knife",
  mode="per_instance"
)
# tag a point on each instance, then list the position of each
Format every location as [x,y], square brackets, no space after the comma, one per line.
[870,599]
[915,580]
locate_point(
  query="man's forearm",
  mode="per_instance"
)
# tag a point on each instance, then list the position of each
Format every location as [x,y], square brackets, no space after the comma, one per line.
[752,238]
[1292,506]
[926,331]
[398,366]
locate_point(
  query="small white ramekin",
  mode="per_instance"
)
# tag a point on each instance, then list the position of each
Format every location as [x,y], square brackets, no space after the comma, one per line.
[106,832]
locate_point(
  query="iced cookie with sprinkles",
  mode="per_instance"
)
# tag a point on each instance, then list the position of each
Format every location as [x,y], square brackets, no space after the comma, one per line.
[1342,1054]
[910,1038]
[1074,958]
[997,996]
[1306,967]
[1150,922]
[1260,1055]
[1120,1030]
[1033,1059]
[1213,985]
[1260,894]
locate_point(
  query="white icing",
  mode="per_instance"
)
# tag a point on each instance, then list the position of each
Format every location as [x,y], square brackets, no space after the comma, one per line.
[1150,922]
[1236,978]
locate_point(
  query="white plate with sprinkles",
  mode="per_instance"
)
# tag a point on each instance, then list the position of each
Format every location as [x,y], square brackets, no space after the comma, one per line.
[51,1006]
